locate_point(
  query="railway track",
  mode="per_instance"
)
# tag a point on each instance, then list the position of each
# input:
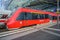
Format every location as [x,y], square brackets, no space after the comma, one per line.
[2,30]
[15,31]
[22,30]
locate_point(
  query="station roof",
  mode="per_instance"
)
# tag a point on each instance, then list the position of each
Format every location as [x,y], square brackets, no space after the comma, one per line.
[21,3]
[47,5]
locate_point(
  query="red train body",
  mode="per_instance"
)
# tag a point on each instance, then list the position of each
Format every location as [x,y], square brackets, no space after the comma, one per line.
[25,17]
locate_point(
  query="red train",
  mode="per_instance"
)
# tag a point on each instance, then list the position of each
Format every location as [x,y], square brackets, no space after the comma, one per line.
[25,17]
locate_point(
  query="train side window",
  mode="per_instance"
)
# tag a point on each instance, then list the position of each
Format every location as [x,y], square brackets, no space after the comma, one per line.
[21,16]
[41,16]
[46,16]
[55,17]
[28,16]
[25,16]
[59,17]
[34,16]
[50,17]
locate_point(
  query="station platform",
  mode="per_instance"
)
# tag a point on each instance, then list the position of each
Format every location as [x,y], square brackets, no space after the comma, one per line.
[37,32]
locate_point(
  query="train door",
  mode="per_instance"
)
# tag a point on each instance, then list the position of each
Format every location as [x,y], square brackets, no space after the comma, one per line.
[29,18]
[35,18]
[47,18]
[22,19]
[54,18]
[25,20]
[50,17]
[41,18]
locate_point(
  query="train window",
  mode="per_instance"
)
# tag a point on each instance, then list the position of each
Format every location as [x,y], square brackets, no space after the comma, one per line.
[46,16]
[34,16]
[59,17]
[25,16]
[54,18]
[21,16]
[50,17]
[28,16]
[41,16]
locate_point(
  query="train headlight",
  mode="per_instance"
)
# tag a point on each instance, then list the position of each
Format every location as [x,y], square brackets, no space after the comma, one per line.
[21,22]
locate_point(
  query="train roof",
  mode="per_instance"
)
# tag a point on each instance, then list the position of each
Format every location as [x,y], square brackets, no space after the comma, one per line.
[36,11]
